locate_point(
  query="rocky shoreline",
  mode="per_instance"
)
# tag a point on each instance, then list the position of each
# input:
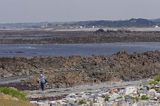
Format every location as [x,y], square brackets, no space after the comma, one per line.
[78,70]
[132,93]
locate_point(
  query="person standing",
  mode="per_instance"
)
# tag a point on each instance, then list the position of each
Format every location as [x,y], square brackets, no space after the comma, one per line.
[42,82]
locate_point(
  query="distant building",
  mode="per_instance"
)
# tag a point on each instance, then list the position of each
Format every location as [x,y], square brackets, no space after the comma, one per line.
[46,25]
[156,26]
[81,27]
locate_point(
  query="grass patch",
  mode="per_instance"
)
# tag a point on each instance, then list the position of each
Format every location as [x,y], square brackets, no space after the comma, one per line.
[153,82]
[14,103]
[13,92]
[157,78]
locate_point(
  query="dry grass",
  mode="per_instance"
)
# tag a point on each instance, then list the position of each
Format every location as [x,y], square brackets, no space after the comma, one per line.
[13,93]
[4,102]
[12,97]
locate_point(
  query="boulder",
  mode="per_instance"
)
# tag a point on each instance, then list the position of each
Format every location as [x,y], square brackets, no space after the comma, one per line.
[130,90]
[152,93]
[114,96]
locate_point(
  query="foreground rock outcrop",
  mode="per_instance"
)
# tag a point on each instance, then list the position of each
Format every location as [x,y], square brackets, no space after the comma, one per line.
[142,94]
[75,70]
[128,96]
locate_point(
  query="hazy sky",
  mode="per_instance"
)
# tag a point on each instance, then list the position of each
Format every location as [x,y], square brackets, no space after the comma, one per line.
[73,10]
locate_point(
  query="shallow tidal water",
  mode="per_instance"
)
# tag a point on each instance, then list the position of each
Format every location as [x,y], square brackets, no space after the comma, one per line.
[29,50]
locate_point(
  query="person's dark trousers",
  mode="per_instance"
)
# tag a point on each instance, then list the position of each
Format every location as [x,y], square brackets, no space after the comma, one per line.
[42,86]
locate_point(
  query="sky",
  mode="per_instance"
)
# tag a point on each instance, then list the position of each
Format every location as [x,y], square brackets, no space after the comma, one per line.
[13,11]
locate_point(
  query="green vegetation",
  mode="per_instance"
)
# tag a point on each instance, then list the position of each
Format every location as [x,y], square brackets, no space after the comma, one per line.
[120,97]
[13,92]
[157,78]
[106,98]
[144,97]
[136,99]
[82,102]
[153,82]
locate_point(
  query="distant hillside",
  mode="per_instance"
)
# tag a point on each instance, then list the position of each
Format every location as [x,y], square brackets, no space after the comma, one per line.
[121,23]
[156,21]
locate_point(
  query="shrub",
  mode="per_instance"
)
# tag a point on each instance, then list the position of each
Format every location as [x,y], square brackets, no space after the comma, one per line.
[144,97]
[106,98]
[82,102]
[136,99]
[13,92]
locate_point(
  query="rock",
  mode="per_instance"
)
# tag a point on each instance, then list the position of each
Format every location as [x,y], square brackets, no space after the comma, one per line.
[147,103]
[129,99]
[7,75]
[158,95]
[62,103]
[41,104]
[97,104]
[34,102]
[114,96]
[71,98]
[100,100]
[100,31]
[131,90]
[152,93]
